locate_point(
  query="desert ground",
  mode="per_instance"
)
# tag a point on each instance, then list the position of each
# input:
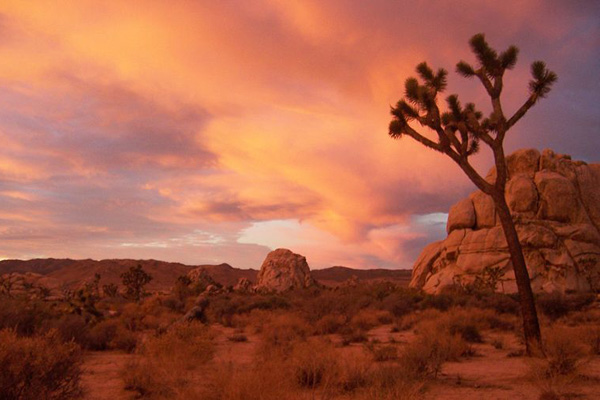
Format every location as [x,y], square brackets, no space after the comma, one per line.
[358,340]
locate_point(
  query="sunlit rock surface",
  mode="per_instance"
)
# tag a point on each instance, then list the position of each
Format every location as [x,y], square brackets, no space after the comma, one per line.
[284,270]
[555,203]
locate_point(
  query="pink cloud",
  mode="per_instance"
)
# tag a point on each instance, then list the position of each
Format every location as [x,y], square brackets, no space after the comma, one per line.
[128,130]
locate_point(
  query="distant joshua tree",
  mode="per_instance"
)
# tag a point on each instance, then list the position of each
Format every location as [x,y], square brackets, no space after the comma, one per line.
[134,281]
[459,132]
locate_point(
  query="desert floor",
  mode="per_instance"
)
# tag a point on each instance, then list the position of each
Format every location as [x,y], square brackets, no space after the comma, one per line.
[490,374]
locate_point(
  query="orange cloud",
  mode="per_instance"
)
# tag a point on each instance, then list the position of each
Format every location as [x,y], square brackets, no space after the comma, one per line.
[144,130]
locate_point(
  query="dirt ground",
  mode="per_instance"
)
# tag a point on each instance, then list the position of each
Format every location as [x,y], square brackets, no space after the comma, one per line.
[491,374]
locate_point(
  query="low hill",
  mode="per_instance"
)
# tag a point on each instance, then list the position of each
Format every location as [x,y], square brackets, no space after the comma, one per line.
[73,273]
[336,275]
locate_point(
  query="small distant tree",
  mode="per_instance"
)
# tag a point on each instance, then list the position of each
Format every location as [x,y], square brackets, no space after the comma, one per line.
[110,290]
[134,281]
[459,132]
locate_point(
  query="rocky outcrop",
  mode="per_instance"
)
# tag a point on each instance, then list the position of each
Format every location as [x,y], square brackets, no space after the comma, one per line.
[200,279]
[284,270]
[243,285]
[555,203]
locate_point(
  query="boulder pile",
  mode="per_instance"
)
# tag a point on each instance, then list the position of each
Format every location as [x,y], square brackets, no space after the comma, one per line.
[555,203]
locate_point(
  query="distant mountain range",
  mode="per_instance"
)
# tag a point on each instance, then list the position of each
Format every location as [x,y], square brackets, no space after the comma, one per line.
[73,273]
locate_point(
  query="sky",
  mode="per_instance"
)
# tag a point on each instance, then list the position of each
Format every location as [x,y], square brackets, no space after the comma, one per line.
[216,131]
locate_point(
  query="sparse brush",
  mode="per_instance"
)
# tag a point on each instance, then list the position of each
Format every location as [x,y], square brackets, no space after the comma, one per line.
[382,352]
[425,356]
[280,334]
[329,324]
[564,353]
[391,383]
[166,363]
[41,367]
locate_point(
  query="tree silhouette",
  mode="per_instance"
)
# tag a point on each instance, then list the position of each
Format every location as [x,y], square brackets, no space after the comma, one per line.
[459,132]
[134,281]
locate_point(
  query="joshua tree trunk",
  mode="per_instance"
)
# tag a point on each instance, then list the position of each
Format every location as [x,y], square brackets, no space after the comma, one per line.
[531,327]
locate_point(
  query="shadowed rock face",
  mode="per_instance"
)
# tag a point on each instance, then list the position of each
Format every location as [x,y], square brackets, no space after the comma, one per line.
[555,203]
[284,270]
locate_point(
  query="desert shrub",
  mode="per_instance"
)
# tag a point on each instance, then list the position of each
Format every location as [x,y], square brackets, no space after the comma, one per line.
[564,352]
[124,339]
[165,364]
[390,383]
[39,367]
[425,356]
[556,305]
[382,352]
[174,303]
[591,337]
[410,320]
[223,309]
[353,334]
[70,327]
[501,303]
[25,316]
[354,372]
[102,335]
[281,333]
[331,323]
[402,302]
[368,318]
[261,381]
[238,337]
[314,364]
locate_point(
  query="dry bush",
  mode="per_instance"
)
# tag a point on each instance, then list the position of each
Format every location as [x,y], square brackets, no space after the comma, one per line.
[381,353]
[261,381]
[591,337]
[165,365]
[411,320]
[101,335]
[40,367]
[329,324]
[390,383]
[564,351]
[354,372]
[280,334]
[425,356]
[353,334]
[369,318]
[314,365]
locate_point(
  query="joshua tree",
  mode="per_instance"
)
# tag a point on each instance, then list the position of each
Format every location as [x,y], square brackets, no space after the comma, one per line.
[459,132]
[134,281]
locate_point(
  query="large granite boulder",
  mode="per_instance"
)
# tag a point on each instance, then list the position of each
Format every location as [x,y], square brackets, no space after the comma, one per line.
[555,203]
[284,270]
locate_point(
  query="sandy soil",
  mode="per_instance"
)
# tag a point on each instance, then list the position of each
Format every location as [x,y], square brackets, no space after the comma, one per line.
[489,375]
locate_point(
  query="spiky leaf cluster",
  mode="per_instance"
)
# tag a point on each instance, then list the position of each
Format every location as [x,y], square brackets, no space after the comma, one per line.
[460,129]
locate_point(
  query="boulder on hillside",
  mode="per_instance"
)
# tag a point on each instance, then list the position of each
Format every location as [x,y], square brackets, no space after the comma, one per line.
[200,279]
[284,270]
[555,203]
[243,285]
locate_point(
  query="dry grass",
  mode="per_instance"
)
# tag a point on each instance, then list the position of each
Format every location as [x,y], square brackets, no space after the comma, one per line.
[166,364]
[39,367]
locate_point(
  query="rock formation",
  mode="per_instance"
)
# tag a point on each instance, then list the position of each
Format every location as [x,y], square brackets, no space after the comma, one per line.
[243,285]
[284,270]
[200,279]
[555,203]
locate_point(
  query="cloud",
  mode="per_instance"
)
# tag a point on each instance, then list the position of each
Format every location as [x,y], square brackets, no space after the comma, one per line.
[153,130]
